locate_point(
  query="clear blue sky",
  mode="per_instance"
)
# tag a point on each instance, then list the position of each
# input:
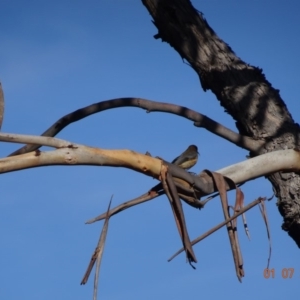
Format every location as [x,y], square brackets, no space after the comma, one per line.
[58,56]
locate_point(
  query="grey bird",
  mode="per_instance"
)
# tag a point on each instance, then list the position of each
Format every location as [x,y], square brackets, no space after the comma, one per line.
[188,158]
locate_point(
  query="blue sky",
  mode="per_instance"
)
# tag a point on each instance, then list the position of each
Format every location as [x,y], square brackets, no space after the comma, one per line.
[56,57]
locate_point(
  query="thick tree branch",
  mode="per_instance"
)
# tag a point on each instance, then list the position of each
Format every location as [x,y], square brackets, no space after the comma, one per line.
[239,173]
[75,154]
[242,90]
[150,106]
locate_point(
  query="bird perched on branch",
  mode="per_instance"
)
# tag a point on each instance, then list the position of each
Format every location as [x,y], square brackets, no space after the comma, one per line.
[188,158]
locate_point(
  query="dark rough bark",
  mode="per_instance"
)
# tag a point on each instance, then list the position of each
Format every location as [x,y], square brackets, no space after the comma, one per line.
[242,90]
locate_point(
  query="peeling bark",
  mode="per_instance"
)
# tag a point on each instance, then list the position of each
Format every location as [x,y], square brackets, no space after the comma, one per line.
[242,90]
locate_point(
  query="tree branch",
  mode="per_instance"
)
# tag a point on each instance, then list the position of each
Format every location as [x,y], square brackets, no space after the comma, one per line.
[150,106]
[211,231]
[39,140]
[76,154]
[242,90]
[139,200]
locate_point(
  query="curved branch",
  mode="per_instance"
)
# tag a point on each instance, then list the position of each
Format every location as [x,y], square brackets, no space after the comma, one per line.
[262,165]
[150,106]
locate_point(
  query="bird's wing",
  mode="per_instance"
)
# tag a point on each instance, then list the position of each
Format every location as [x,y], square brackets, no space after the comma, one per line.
[180,159]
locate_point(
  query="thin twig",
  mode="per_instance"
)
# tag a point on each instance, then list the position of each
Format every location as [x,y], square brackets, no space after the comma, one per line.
[141,199]
[262,208]
[40,140]
[101,249]
[240,196]
[97,255]
[217,227]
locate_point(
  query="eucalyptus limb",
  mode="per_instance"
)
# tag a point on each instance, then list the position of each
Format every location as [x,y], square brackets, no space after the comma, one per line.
[69,153]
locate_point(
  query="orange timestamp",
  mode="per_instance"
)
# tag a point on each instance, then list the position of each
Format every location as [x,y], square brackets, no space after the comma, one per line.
[286,273]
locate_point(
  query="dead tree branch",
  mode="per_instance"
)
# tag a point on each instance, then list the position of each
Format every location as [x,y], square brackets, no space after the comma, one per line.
[211,231]
[75,154]
[150,106]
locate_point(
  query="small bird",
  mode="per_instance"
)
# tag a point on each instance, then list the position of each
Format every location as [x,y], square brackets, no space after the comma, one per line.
[188,158]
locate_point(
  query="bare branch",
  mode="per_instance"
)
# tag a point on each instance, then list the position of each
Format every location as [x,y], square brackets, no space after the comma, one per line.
[211,231]
[75,154]
[152,194]
[139,200]
[39,140]
[150,106]
[282,160]
[83,155]
[98,252]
